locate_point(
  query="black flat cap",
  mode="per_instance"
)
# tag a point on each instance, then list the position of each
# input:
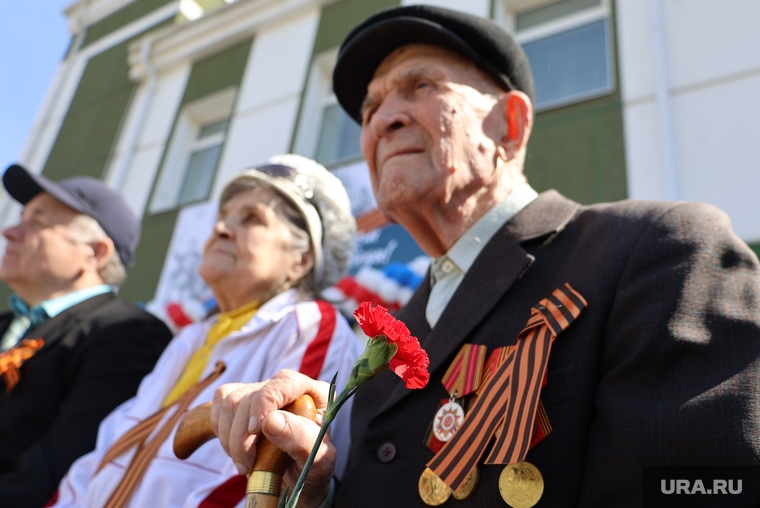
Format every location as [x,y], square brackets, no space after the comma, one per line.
[479,40]
[85,195]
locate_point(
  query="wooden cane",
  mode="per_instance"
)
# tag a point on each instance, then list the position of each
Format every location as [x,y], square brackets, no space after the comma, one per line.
[265,479]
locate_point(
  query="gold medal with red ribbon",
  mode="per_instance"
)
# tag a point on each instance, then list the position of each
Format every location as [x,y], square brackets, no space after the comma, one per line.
[512,380]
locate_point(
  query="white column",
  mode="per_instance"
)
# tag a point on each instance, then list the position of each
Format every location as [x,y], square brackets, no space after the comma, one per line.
[152,135]
[267,103]
[663,101]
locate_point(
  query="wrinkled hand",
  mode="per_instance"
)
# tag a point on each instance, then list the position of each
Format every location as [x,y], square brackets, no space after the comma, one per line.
[241,412]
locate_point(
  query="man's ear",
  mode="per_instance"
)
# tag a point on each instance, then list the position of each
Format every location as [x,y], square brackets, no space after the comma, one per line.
[518,115]
[102,250]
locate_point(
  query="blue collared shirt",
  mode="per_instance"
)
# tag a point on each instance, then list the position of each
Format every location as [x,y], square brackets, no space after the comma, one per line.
[48,309]
[55,306]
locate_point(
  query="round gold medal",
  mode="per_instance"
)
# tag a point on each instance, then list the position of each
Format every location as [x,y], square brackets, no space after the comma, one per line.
[432,489]
[521,485]
[468,487]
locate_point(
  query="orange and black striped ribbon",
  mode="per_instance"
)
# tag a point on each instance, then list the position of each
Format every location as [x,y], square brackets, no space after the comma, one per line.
[464,374]
[495,360]
[510,398]
[541,426]
[12,360]
[145,452]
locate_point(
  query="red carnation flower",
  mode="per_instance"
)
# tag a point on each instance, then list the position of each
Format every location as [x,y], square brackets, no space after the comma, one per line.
[410,362]
[390,346]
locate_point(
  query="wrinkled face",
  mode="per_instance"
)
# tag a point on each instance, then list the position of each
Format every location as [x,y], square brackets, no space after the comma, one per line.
[40,255]
[430,128]
[250,254]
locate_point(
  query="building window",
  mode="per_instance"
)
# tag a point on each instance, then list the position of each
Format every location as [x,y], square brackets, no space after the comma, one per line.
[326,132]
[194,151]
[204,157]
[568,45]
[338,137]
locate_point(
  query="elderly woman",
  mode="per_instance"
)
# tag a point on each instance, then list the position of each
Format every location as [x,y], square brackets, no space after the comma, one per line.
[284,233]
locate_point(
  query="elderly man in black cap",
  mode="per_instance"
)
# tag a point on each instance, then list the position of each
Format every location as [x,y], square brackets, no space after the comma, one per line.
[70,351]
[570,346]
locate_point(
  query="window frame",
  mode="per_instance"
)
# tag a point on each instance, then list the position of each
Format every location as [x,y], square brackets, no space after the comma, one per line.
[506,11]
[318,97]
[184,142]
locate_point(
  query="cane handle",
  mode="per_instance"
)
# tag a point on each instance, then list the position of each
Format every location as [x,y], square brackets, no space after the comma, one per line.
[195,429]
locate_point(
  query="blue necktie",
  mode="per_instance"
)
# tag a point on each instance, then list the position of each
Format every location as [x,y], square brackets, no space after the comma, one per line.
[24,319]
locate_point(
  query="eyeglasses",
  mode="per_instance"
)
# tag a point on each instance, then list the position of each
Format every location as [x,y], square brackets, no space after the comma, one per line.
[281,171]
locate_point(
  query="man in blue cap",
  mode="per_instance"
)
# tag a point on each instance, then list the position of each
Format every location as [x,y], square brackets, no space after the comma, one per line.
[70,351]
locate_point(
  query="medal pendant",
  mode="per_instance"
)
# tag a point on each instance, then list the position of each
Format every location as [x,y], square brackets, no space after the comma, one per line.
[468,487]
[432,489]
[447,420]
[521,485]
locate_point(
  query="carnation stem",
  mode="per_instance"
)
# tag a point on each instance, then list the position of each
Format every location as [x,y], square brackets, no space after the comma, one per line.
[293,501]
[332,410]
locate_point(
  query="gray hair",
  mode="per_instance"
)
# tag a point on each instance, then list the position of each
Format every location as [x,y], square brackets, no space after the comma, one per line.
[84,229]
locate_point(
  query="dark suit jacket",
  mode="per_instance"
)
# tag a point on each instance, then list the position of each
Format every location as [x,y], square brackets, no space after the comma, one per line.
[94,357]
[661,368]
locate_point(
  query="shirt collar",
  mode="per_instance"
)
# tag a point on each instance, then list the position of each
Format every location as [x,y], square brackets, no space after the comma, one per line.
[55,306]
[469,246]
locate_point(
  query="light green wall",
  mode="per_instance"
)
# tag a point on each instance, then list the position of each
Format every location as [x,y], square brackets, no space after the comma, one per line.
[217,72]
[580,149]
[339,19]
[210,75]
[92,122]
[120,18]
[143,277]
[88,131]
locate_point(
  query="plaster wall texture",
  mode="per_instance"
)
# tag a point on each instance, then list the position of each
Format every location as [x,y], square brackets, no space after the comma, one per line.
[711,74]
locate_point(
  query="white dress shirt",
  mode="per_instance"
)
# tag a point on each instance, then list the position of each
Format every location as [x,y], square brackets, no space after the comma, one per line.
[448,271]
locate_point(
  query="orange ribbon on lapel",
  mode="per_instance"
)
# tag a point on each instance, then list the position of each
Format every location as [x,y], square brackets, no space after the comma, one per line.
[542,427]
[11,361]
[510,398]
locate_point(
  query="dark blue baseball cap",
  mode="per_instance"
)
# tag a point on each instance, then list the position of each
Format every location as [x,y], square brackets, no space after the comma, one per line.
[85,195]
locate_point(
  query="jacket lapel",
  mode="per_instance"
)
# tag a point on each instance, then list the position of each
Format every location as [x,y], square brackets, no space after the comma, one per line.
[413,313]
[54,329]
[498,266]
[5,321]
